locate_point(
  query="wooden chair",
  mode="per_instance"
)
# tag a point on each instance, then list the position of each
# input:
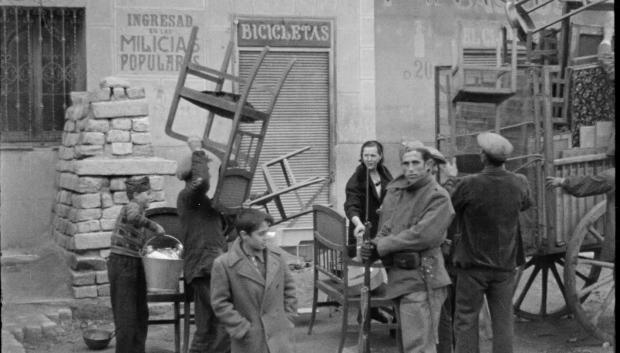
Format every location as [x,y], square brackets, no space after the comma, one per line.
[274,192]
[521,15]
[168,218]
[331,261]
[239,155]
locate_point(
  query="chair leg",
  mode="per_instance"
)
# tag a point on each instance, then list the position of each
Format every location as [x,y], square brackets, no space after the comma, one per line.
[177,327]
[315,293]
[186,318]
[345,324]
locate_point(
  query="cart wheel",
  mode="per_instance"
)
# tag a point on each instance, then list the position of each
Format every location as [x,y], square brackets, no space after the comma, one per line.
[536,297]
[596,314]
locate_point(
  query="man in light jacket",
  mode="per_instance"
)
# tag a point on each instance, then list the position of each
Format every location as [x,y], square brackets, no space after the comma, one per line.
[415,215]
[253,293]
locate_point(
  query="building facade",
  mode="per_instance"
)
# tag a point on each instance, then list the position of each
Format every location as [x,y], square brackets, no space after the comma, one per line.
[364,70]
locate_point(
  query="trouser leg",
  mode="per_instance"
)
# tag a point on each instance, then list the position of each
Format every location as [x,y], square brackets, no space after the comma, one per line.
[124,279]
[419,320]
[142,308]
[499,297]
[445,330]
[210,335]
[468,302]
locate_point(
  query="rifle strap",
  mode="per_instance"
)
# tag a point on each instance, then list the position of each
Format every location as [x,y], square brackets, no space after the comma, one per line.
[427,273]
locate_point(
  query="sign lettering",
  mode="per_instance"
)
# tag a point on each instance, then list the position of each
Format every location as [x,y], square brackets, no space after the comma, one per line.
[284,33]
[150,42]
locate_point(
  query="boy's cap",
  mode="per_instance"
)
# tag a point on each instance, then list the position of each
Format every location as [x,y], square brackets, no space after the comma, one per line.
[137,185]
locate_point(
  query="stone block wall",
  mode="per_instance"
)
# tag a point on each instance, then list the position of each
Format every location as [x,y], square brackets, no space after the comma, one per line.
[106,140]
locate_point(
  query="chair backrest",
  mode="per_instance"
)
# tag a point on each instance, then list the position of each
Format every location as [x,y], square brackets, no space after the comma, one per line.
[330,248]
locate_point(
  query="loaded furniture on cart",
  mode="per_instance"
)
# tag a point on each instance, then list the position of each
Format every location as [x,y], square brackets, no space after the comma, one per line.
[535,98]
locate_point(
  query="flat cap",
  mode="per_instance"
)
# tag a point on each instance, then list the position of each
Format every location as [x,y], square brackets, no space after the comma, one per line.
[436,155]
[136,185]
[408,146]
[495,145]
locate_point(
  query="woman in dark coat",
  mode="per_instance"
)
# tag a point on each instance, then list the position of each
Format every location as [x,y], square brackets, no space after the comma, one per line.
[377,178]
[371,158]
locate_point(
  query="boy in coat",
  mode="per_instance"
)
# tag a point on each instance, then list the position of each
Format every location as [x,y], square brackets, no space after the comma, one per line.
[253,293]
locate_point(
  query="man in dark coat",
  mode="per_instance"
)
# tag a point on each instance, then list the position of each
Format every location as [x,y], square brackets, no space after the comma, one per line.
[203,237]
[489,249]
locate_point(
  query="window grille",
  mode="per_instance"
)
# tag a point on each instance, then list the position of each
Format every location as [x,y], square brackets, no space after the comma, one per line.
[41,61]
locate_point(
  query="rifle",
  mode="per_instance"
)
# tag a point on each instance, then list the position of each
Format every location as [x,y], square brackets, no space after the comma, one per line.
[362,344]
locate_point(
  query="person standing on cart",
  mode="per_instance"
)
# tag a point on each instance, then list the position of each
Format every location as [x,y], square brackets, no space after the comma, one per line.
[489,248]
[125,269]
[415,215]
[203,236]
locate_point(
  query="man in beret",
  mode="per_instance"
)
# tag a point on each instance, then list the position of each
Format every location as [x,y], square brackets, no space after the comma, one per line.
[488,249]
[125,270]
[415,214]
[202,234]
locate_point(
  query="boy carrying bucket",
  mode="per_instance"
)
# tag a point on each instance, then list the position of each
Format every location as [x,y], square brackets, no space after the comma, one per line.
[125,270]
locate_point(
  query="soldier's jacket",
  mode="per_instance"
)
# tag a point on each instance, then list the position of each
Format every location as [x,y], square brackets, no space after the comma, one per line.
[414,218]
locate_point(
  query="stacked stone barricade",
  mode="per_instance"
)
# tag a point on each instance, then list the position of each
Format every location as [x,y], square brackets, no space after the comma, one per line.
[106,139]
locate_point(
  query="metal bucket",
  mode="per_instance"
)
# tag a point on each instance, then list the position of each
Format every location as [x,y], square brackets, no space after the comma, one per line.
[162,275]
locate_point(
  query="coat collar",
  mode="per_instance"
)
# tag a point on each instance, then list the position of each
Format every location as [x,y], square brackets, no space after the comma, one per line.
[402,183]
[493,170]
[244,267]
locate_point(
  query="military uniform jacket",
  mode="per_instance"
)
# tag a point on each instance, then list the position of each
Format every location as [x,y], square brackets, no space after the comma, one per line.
[414,217]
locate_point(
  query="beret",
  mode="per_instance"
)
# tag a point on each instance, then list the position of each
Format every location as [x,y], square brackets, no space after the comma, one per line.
[495,145]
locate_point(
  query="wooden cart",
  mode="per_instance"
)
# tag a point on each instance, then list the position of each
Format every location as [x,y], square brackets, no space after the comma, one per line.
[562,235]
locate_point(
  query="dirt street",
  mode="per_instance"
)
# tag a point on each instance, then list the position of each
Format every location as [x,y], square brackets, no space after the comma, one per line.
[551,336]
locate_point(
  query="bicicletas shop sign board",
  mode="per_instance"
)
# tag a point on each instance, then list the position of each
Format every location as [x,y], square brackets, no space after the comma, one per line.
[283,32]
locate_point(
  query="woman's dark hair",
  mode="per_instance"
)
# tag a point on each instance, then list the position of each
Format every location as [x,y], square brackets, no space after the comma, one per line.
[249,219]
[372,143]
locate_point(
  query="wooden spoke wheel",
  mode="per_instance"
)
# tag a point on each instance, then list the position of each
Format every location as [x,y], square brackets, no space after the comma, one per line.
[538,287]
[592,302]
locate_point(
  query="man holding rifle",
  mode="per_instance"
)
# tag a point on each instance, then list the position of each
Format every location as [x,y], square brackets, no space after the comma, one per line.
[415,215]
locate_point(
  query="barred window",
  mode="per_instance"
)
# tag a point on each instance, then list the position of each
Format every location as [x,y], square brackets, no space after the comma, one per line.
[42,59]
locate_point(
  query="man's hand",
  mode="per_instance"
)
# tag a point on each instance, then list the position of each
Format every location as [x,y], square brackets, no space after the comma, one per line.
[449,169]
[553,182]
[359,230]
[369,251]
[160,230]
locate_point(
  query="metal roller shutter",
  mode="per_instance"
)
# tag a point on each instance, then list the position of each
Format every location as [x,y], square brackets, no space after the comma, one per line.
[300,118]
